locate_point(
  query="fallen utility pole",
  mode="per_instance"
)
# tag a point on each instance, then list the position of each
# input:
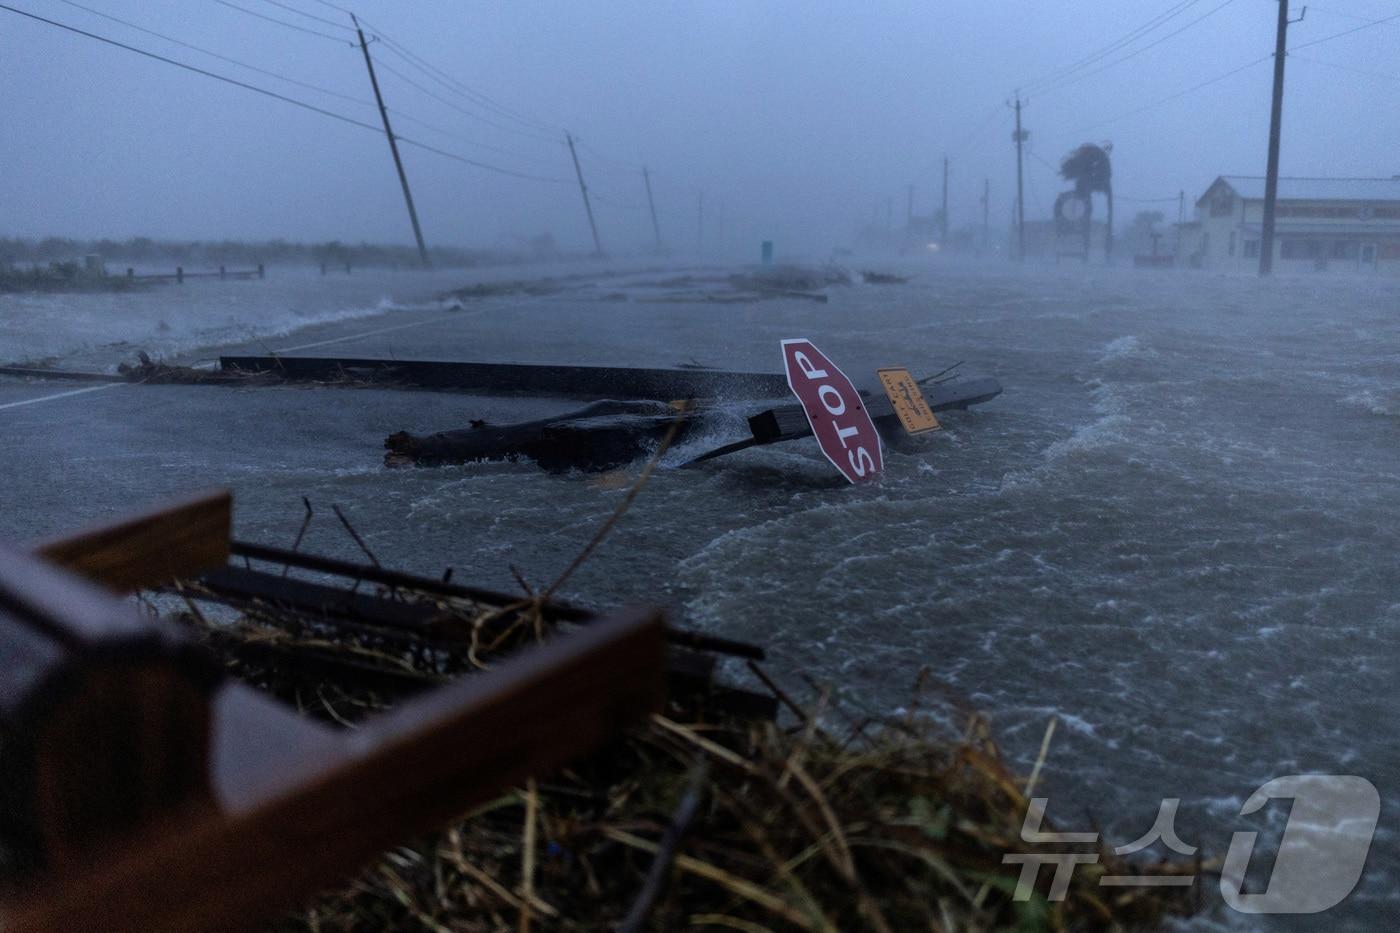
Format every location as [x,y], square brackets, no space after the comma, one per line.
[393,145]
[583,189]
[1266,243]
[651,203]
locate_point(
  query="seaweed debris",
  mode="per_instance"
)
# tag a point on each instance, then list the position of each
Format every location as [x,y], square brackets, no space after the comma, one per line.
[831,823]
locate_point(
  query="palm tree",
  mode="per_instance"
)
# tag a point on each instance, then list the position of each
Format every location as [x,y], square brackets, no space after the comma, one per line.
[1090,170]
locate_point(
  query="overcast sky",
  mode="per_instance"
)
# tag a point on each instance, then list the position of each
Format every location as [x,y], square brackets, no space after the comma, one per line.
[799,120]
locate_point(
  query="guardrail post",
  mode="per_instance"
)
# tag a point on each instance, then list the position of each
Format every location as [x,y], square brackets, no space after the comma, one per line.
[179,275]
[221,273]
[261,272]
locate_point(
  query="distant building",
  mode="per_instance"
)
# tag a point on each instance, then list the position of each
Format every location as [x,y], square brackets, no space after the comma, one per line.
[1320,224]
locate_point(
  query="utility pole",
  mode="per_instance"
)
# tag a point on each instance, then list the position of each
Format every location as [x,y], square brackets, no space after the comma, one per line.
[583,189]
[1020,137]
[393,145]
[1180,215]
[943,240]
[655,227]
[1266,242]
[986,215]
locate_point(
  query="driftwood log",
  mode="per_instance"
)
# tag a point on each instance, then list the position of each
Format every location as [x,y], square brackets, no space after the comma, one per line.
[609,434]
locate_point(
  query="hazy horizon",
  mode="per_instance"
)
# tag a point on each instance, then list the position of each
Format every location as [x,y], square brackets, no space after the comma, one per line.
[799,121]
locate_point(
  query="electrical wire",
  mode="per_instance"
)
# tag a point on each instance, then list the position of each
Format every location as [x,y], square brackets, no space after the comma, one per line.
[233,61]
[525,128]
[282,22]
[312,16]
[450,134]
[447,103]
[1346,32]
[456,86]
[1075,79]
[1119,43]
[1358,71]
[1170,97]
[607,160]
[283,97]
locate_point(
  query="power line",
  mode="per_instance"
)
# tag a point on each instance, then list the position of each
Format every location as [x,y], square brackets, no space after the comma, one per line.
[617,164]
[1170,97]
[1331,12]
[221,57]
[1136,52]
[1358,71]
[457,107]
[450,134]
[282,97]
[483,165]
[459,87]
[319,19]
[1105,51]
[283,22]
[1234,71]
[1346,32]
[333,6]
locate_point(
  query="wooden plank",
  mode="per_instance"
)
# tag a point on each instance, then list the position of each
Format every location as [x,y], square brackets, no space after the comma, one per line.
[593,382]
[554,609]
[149,548]
[67,375]
[395,777]
[320,599]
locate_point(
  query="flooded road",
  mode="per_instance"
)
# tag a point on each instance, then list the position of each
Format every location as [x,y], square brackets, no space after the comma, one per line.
[1175,531]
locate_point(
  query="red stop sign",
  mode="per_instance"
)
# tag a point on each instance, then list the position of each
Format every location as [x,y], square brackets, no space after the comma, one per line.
[834,410]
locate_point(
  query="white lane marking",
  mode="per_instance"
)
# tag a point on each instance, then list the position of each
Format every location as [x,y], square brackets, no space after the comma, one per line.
[384,330]
[57,395]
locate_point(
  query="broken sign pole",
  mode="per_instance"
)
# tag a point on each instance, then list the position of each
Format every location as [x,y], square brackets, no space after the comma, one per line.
[583,189]
[393,145]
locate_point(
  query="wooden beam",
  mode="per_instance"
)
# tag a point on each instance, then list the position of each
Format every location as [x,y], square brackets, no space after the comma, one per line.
[591,382]
[397,776]
[139,551]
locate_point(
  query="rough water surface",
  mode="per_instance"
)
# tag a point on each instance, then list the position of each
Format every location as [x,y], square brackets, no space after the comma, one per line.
[1175,531]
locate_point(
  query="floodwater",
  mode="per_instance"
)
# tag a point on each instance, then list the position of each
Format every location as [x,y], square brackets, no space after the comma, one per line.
[1175,532]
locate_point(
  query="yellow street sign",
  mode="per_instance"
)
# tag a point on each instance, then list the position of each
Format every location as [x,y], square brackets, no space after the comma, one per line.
[908,401]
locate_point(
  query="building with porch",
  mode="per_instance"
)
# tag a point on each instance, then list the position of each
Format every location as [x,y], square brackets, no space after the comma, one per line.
[1320,224]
